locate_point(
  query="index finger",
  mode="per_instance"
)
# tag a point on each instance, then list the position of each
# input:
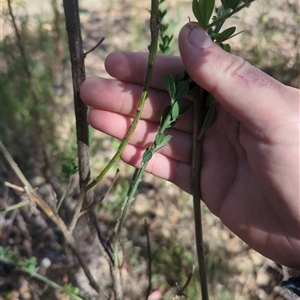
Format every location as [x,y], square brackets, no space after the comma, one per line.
[131,67]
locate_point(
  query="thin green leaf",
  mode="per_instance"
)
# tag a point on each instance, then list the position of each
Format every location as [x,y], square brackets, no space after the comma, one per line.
[182,89]
[170,84]
[237,33]
[226,34]
[165,114]
[166,140]
[209,119]
[203,10]
[147,156]
[159,139]
[178,108]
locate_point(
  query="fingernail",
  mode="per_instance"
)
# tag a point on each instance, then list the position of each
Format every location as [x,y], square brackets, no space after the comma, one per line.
[199,38]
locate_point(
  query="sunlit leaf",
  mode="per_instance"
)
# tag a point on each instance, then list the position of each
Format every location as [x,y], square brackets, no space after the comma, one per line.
[203,10]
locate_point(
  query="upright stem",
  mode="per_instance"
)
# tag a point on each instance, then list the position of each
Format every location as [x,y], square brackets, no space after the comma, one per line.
[196,181]
[154,29]
[71,10]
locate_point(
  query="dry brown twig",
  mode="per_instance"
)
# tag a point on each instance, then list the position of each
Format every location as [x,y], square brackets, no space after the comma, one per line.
[85,200]
[51,214]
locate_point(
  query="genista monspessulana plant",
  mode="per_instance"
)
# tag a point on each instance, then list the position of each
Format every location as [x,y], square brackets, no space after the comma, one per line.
[178,87]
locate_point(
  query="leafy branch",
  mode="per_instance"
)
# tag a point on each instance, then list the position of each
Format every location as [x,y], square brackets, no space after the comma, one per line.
[204,116]
[154,28]
[177,88]
[205,110]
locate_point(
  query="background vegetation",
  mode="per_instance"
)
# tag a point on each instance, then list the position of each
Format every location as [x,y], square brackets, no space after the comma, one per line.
[37,126]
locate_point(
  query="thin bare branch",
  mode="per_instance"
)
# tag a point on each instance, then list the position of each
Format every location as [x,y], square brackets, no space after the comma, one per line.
[96,46]
[180,292]
[146,225]
[13,186]
[47,210]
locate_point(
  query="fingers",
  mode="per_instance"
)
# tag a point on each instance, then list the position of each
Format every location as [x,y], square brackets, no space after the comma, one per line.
[250,95]
[131,67]
[123,98]
[162,166]
[117,125]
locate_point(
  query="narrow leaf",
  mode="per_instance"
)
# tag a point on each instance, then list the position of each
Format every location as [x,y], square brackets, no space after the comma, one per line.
[209,119]
[165,114]
[159,139]
[147,156]
[170,85]
[182,89]
[225,35]
[203,10]
[166,140]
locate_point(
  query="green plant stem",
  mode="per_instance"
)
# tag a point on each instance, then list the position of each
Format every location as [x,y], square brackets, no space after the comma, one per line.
[14,206]
[50,283]
[154,28]
[132,190]
[196,187]
[127,203]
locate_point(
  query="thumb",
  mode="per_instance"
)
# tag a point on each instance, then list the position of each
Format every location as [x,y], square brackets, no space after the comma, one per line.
[243,90]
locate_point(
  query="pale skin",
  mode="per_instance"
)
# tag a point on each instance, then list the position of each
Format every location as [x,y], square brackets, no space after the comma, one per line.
[250,173]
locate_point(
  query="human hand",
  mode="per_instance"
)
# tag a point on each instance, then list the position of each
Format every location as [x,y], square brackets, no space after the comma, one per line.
[250,168]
